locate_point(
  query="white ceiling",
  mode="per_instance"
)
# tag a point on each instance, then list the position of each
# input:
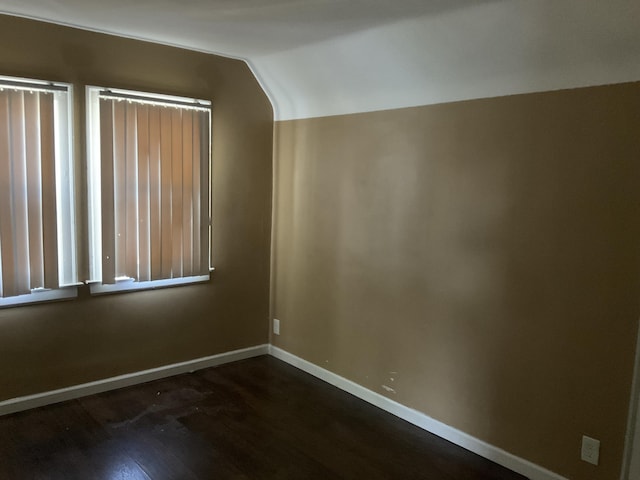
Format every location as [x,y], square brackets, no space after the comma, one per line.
[324,57]
[239,28]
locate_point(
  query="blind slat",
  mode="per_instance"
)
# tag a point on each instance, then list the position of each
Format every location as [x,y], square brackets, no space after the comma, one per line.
[155,193]
[197,192]
[187,193]
[19,179]
[165,191]
[144,213]
[120,187]
[107,179]
[34,189]
[176,192]
[49,201]
[204,192]
[131,192]
[7,242]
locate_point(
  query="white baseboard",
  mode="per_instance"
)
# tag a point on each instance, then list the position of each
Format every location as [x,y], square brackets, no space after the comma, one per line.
[54,396]
[495,454]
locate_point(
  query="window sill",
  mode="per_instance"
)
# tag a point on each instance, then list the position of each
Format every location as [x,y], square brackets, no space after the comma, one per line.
[62,293]
[130,285]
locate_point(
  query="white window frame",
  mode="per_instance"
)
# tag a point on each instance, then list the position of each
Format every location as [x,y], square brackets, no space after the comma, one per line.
[127,284]
[65,192]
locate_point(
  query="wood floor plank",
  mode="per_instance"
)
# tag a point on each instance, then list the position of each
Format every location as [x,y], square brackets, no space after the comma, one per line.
[254,419]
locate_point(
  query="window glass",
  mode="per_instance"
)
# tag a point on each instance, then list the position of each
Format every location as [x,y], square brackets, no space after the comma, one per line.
[37,219]
[149,183]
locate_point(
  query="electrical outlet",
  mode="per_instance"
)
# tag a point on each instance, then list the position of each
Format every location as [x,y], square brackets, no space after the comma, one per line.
[276,326]
[590,450]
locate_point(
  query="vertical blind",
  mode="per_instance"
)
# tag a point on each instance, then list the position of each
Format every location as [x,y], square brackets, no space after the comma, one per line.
[154,184]
[28,228]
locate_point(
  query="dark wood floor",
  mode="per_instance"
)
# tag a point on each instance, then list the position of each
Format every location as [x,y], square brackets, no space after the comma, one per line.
[254,419]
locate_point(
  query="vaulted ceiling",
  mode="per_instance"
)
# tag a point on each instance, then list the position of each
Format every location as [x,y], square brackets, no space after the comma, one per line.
[325,57]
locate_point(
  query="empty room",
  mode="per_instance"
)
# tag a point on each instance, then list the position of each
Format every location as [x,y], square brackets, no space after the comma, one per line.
[317,239]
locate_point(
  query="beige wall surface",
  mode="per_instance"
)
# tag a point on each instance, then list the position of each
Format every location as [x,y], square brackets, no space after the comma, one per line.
[481,259]
[51,346]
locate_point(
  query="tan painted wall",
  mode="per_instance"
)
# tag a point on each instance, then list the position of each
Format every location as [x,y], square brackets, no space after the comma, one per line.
[55,345]
[481,258]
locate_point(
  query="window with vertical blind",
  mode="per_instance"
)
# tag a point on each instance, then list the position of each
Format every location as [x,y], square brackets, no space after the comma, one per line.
[37,220]
[149,190]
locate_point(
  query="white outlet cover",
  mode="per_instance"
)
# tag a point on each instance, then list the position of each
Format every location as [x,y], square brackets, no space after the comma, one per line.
[276,326]
[590,450]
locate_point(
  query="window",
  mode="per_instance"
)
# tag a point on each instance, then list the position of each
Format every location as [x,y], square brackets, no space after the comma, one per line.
[149,184]
[37,221]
